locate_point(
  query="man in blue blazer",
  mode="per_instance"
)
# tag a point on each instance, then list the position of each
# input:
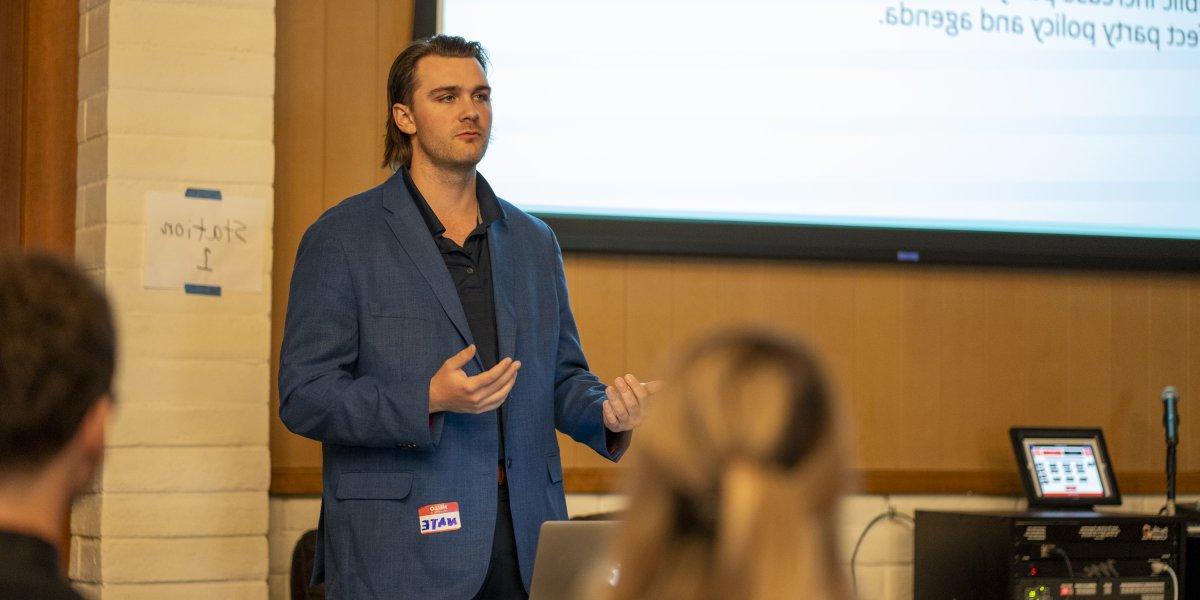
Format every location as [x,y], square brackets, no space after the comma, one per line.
[429,345]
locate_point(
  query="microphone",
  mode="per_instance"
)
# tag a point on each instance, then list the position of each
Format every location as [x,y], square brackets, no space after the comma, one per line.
[1170,398]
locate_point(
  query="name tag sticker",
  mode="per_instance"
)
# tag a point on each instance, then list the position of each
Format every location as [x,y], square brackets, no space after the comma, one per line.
[439,518]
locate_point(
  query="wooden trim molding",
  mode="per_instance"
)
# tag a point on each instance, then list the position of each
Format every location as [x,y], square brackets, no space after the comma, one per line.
[999,483]
[304,481]
[296,481]
[1004,482]
[591,480]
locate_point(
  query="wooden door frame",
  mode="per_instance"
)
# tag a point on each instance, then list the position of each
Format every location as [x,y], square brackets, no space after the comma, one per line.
[39,79]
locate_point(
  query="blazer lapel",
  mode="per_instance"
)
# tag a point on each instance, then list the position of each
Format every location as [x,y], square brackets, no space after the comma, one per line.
[412,233]
[503,283]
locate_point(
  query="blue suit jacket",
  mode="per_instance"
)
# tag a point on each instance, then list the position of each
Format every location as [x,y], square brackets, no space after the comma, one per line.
[372,315]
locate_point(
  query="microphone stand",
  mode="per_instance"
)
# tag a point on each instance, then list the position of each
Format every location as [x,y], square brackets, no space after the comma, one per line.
[1171,477]
[1171,426]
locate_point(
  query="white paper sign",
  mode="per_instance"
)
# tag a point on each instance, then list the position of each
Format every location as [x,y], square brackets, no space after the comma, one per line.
[204,243]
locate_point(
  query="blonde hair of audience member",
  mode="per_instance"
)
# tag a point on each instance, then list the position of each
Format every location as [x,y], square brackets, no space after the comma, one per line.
[735,484]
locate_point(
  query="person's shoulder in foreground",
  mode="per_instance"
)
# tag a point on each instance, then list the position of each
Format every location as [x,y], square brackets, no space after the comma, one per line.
[29,570]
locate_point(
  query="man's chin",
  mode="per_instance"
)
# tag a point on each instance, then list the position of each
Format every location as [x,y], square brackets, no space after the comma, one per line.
[453,158]
[459,163]
[473,156]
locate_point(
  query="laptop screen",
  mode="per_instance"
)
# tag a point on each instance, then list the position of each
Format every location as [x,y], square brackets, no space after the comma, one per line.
[573,560]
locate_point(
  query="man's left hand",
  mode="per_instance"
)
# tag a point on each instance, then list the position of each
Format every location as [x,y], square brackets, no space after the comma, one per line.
[625,406]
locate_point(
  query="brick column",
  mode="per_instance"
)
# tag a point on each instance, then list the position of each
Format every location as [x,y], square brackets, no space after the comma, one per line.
[175,95]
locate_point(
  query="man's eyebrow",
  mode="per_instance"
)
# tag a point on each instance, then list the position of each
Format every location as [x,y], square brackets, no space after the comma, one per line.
[456,89]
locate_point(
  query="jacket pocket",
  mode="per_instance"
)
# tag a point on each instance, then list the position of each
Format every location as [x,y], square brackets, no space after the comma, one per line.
[554,467]
[392,326]
[373,486]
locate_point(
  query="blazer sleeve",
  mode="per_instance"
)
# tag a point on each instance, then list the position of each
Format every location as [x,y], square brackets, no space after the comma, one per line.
[578,394]
[321,395]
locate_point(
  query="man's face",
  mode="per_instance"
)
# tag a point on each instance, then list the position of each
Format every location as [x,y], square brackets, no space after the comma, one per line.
[450,115]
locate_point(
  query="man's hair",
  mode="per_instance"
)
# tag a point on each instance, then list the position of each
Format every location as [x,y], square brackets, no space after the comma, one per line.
[57,355]
[402,82]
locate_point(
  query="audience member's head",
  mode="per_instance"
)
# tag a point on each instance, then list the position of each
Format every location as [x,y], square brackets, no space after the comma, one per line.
[57,354]
[736,479]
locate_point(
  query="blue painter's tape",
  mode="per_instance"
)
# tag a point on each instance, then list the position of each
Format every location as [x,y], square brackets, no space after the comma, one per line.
[203,290]
[203,194]
[908,256]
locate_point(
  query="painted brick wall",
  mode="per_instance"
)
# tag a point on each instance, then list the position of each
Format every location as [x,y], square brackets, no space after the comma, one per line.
[174,95]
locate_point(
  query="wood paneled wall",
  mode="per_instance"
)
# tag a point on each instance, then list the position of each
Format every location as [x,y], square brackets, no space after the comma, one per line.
[39,60]
[12,86]
[932,364]
[332,61]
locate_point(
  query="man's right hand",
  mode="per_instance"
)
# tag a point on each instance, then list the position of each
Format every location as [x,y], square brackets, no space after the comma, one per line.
[452,390]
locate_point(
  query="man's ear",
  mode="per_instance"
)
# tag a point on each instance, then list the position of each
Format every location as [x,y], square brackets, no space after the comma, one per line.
[402,115]
[94,427]
[87,447]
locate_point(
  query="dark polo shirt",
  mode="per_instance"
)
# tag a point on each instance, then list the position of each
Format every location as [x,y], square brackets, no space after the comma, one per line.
[470,266]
